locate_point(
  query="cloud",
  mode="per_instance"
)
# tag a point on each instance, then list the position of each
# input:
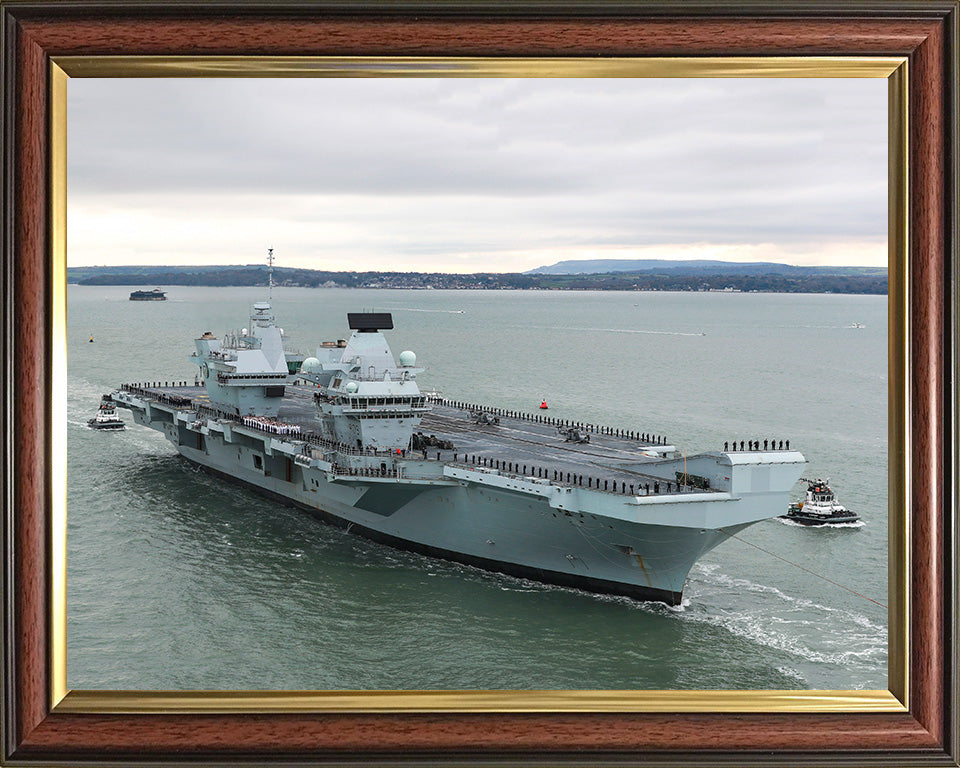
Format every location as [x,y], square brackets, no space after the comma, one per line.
[413,169]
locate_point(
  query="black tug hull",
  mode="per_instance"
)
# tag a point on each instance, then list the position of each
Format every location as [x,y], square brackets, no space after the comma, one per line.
[816,520]
[92,424]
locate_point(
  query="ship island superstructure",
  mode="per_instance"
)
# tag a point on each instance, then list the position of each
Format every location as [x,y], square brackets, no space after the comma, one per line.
[351,438]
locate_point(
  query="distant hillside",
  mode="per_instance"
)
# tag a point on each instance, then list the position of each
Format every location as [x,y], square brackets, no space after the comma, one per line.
[149,276]
[76,274]
[694,267]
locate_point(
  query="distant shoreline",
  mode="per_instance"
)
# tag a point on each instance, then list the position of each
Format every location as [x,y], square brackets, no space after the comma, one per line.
[843,280]
[523,290]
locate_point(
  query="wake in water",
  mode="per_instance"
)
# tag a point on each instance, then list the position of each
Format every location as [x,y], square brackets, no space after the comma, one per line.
[808,631]
[801,627]
[443,311]
[83,397]
[79,389]
[819,326]
[612,330]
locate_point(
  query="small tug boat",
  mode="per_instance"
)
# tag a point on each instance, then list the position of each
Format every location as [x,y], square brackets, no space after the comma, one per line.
[820,507]
[106,417]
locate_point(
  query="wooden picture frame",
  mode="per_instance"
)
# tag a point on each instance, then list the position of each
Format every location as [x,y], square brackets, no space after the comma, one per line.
[41,727]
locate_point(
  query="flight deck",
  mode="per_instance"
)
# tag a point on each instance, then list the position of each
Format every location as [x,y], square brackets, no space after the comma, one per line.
[517,443]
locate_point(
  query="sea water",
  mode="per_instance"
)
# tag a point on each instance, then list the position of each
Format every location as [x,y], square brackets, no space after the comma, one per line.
[180,580]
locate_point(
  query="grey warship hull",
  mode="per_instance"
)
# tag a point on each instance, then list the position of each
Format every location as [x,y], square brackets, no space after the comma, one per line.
[619,514]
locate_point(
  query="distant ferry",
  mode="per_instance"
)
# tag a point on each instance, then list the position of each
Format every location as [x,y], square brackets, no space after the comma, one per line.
[155,295]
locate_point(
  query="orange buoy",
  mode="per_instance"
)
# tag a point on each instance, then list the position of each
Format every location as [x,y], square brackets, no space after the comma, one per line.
[543,405]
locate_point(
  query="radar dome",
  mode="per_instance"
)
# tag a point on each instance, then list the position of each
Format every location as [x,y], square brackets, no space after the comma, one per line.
[407,358]
[310,365]
[352,387]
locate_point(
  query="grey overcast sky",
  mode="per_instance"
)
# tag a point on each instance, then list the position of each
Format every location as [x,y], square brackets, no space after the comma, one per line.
[475,175]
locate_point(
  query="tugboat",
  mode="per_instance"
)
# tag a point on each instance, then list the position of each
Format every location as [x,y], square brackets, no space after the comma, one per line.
[106,417]
[820,506]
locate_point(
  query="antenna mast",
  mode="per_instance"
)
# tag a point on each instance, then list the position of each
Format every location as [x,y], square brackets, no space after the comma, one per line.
[270,284]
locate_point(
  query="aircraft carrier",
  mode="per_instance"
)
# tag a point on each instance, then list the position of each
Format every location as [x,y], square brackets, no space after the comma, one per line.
[349,437]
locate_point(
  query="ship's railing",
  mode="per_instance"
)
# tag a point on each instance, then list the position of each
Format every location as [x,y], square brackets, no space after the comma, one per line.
[646,486]
[348,450]
[290,430]
[210,412]
[141,390]
[646,438]
[642,486]
[539,418]
[296,433]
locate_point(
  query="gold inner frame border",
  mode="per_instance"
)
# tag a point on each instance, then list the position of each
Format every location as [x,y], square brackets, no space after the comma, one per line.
[894,69]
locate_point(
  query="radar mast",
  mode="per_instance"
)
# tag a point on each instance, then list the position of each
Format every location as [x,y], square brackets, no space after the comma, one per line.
[270,281]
